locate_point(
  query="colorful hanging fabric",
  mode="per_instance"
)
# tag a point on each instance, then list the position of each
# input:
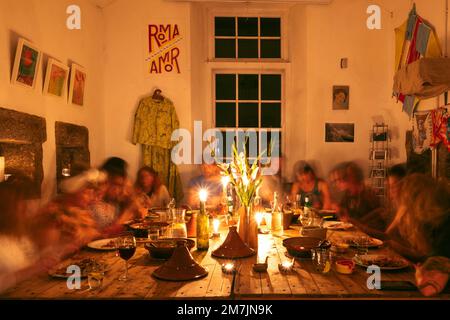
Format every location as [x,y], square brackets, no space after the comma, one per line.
[422,131]
[154,124]
[414,39]
[440,119]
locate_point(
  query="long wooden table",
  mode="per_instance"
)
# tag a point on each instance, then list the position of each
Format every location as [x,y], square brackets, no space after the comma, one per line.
[303,283]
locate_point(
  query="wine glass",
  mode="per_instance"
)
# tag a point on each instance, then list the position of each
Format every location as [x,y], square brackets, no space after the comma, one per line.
[126,247]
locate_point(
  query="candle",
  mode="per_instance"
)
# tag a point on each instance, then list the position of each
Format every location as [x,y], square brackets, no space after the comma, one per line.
[216,225]
[203,195]
[286,266]
[2,169]
[258,217]
[228,268]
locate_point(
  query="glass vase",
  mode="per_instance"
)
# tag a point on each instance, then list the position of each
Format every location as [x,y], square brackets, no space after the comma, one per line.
[248,228]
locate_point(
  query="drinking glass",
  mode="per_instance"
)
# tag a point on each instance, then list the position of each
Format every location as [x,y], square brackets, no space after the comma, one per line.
[362,245]
[153,234]
[126,247]
[95,278]
[306,218]
[321,259]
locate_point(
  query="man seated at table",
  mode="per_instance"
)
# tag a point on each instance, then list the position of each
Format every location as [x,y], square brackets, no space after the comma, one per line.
[358,200]
[116,200]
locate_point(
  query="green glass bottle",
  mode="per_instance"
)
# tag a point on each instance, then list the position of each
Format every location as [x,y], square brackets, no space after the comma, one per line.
[202,228]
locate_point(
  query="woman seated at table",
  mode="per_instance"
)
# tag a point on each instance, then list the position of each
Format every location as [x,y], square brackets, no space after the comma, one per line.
[307,184]
[358,200]
[19,256]
[150,191]
[423,221]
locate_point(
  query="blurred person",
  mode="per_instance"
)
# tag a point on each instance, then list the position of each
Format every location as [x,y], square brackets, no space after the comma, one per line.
[150,191]
[19,256]
[71,212]
[423,222]
[358,200]
[116,201]
[307,184]
[209,179]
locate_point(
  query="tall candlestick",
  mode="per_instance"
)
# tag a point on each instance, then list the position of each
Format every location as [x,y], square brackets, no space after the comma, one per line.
[2,169]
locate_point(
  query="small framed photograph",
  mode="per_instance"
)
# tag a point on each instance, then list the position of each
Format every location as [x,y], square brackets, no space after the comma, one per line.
[339,132]
[56,79]
[26,64]
[378,173]
[379,155]
[77,85]
[341,97]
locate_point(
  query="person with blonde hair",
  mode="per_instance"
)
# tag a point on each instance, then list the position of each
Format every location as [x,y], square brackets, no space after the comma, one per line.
[423,222]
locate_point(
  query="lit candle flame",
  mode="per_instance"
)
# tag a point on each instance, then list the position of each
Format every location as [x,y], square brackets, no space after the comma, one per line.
[203,195]
[225,181]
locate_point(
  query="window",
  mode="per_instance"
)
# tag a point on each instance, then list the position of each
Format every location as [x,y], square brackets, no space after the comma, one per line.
[248,101]
[247,37]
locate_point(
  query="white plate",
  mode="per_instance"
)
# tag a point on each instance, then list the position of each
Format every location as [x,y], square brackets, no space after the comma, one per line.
[100,245]
[371,259]
[333,225]
[374,243]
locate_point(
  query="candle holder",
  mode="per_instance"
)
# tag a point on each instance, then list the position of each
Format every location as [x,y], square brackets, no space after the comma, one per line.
[261,267]
[216,225]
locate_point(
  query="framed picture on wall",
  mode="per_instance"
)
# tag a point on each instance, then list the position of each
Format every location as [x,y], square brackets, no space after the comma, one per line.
[56,79]
[77,85]
[341,97]
[378,173]
[339,132]
[26,64]
[379,155]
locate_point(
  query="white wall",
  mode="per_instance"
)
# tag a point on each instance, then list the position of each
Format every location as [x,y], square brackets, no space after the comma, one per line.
[337,31]
[43,22]
[126,81]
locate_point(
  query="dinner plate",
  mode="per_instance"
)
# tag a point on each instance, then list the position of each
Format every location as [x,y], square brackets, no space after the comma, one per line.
[333,225]
[373,242]
[102,244]
[385,262]
[60,271]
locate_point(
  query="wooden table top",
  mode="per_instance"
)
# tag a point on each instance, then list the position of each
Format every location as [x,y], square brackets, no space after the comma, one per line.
[303,283]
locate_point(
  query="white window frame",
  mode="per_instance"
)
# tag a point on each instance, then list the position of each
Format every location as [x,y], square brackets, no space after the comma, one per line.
[258,129]
[258,12]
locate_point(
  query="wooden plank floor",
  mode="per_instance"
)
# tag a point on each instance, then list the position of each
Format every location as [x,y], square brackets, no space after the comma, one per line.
[303,283]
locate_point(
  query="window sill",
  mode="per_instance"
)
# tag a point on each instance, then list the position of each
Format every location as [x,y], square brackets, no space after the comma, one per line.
[244,61]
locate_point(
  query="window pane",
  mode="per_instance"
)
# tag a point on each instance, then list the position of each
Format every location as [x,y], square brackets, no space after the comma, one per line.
[271,115]
[225,26]
[228,138]
[270,48]
[270,27]
[225,48]
[248,87]
[225,114]
[248,115]
[225,87]
[251,141]
[271,87]
[247,48]
[248,27]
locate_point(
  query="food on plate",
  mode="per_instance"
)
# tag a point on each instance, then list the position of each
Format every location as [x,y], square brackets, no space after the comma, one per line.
[110,244]
[382,261]
[353,241]
[85,265]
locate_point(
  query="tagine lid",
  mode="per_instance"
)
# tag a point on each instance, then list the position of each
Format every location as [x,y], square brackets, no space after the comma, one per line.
[233,247]
[181,266]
